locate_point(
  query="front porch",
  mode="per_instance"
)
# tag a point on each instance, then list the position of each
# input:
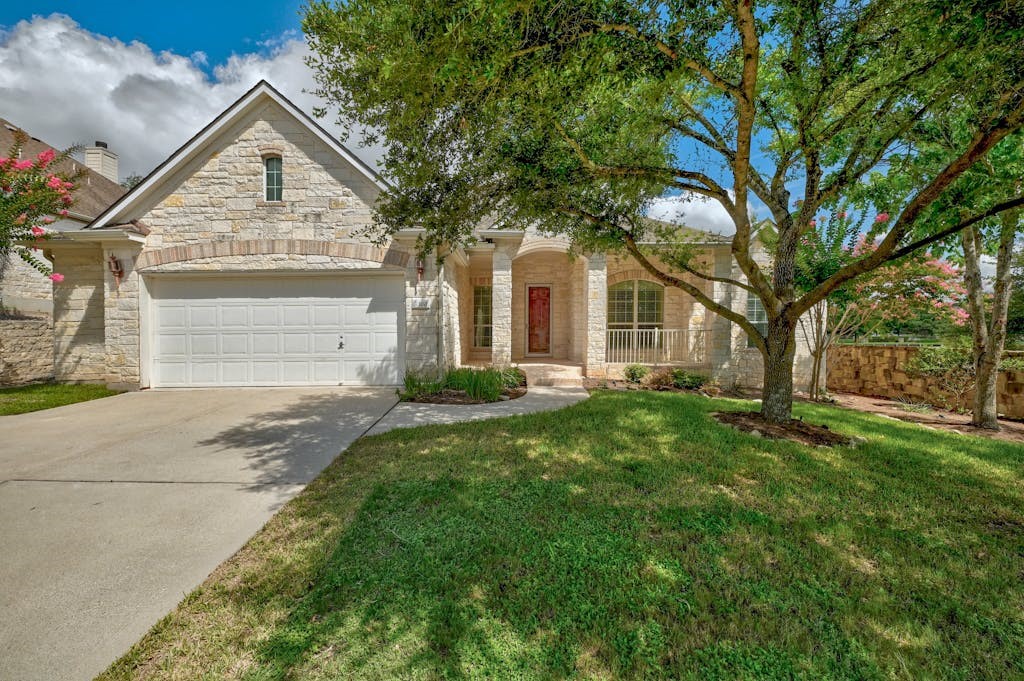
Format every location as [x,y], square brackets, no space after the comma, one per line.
[524,299]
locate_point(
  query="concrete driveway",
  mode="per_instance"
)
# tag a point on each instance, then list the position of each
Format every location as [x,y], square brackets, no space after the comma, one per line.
[111,511]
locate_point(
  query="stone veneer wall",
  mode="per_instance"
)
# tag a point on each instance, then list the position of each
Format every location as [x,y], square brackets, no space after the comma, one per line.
[78,311]
[26,351]
[23,289]
[121,321]
[877,371]
[501,304]
[421,314]
[456,279]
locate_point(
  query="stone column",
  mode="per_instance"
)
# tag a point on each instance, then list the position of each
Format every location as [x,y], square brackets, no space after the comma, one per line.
[121,320]
[501,303]
[596,288]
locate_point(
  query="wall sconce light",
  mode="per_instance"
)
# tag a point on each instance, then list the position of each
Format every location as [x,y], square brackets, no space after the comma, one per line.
[419,269]
[116,269]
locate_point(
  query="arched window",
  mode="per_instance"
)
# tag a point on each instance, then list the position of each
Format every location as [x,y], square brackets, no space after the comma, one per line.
[273,179]
[636,304]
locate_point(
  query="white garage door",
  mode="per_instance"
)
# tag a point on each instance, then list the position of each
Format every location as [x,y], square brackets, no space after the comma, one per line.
[225,331]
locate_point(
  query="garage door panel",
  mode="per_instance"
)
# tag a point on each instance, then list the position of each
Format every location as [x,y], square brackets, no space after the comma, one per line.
[326,316]
[295,371]
[172,373]
[234,373]
[203,343]
[296,343]
[326,372]
[202,316]
[266,372]
[325,343]
[234,343]
[171,317]
[204,372]
[172,344]
[357,342]
[266,316]
[266,343]
[385,343]
[214,331]
[234,316]
[296,315]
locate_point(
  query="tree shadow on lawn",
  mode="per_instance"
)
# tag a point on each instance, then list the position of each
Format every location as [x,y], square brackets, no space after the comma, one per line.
[634,536]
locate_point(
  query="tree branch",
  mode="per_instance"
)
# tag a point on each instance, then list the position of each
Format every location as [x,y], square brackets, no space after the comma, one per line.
[984,139]
[1004,206]
[700,296]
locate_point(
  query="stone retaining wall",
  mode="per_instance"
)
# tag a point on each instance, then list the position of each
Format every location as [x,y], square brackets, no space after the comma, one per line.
[26,351]
[877,371]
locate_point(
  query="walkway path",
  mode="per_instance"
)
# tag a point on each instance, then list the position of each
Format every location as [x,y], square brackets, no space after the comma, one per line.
[538,398]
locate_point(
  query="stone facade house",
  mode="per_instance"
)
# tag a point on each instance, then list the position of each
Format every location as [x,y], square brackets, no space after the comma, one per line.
[242,260]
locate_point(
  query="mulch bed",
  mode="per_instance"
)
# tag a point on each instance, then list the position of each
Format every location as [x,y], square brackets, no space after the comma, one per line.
[937,419]
[616,384]
[460,397]
[796,430]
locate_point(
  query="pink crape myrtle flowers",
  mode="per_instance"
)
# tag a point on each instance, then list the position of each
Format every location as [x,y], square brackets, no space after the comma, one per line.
[34,192]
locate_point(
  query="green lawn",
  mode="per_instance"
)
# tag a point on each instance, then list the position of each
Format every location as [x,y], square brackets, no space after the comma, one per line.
[28,398]
[630,536]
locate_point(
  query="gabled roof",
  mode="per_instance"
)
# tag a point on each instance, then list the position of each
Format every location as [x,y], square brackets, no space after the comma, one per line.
[263,91]
[93,193]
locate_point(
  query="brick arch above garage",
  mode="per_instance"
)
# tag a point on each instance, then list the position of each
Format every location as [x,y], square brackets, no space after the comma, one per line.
[257,247]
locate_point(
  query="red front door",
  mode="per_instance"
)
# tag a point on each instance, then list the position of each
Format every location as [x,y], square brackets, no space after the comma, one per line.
[539,320]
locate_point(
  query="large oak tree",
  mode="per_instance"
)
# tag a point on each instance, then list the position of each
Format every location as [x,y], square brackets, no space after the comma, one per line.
[574,115]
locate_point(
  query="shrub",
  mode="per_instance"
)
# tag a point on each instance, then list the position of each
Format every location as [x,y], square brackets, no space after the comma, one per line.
[478,384]
[1014,363]
[688,380]
[417,385]
[951,367]
[512,378]
[635,373]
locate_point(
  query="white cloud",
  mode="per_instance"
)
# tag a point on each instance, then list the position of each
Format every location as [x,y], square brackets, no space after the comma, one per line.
[67,86]
[694,211]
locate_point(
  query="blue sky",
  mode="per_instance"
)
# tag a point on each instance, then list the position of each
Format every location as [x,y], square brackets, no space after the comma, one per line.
[217,29]
[146,76]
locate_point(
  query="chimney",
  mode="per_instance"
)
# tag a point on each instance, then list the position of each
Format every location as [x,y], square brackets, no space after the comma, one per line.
[102,160]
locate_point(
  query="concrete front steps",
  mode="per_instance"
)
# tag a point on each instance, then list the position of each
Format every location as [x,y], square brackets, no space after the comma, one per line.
[549,374]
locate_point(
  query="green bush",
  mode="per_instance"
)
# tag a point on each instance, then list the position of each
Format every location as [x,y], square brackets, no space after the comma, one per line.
[1015,363]
[478,384]
[417,385]
[513,377]
[688,380]
[635,373]
[951,367]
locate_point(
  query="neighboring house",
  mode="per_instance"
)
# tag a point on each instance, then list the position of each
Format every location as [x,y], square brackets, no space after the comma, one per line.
[23,289]
[241,260]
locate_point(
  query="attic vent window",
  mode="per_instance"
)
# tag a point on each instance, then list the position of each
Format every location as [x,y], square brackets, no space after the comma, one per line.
[274,179]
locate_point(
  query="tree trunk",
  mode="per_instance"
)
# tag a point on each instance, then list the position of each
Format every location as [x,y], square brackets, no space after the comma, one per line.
[990,335]
[777,395]
[985,413]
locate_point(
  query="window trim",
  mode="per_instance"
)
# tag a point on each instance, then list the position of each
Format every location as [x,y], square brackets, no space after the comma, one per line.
[266,177]
[755,309]
[476,326]
[635,324]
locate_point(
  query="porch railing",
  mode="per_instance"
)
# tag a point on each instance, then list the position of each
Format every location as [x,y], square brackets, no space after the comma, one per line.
[656,346]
